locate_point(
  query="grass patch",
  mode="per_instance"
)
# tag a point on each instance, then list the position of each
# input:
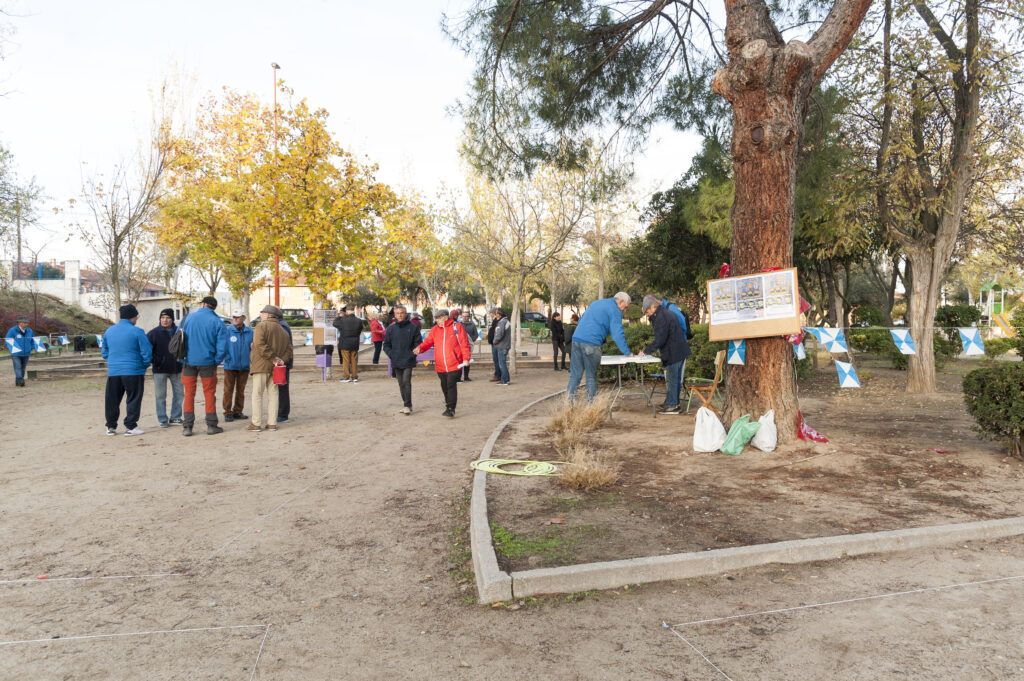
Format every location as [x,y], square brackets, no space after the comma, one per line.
[553,545]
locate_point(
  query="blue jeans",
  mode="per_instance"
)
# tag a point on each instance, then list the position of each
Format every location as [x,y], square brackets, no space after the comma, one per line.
[501,364]
[674,382]
[584,359]
[494,359]
[160,382]
[19,367]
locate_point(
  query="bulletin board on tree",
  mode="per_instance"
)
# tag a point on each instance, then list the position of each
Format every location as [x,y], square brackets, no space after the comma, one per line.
[754,305]
[324,332]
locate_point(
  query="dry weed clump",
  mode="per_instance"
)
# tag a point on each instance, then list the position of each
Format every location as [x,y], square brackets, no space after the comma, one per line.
[587,469]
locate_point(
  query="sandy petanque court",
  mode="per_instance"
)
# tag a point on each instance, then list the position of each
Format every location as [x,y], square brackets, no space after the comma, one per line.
[334,549]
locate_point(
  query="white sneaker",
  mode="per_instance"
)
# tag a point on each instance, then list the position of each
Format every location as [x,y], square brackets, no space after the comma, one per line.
[405,410]
[344,380]
[135,431]
[355,380]
[111,431]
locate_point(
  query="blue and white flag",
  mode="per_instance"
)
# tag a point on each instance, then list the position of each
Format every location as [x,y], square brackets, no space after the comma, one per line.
[737,352]
[904,343]
[99,341]
[971,338]
[801,352]
[10,344]
[364,338]
[309,338]
[423,335]
[64,340]
[40,344]
[847,375]
[833,339]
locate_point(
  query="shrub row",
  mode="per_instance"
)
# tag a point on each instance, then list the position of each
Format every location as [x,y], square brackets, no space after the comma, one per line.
[995,398]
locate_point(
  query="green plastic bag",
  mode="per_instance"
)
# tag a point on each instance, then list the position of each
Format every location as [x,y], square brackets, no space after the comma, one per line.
[739,435]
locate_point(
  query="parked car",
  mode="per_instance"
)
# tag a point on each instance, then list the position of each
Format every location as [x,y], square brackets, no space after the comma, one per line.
[293,314]
[535,317]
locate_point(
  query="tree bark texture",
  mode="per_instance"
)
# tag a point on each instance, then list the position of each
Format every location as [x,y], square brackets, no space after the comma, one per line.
[768,82]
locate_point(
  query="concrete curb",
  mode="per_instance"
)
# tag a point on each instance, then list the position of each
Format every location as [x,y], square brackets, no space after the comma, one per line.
[493,584]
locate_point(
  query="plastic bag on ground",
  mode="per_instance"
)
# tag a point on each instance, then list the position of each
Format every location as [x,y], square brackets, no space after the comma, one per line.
[767,436]
[805,432]
[739,435]
[708,433]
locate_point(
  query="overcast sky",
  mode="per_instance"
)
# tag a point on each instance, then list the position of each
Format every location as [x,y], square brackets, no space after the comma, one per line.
[77,77]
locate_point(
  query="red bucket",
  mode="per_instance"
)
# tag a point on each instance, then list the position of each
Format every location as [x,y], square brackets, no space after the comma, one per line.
[280,375]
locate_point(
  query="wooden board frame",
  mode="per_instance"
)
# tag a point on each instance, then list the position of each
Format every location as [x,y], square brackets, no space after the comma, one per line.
[756,328]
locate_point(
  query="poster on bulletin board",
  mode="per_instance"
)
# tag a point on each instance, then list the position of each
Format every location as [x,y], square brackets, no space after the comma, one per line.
[754,305]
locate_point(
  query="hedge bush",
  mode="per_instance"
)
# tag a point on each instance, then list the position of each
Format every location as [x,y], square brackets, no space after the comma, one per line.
[995,398]
[996,347]
[870,314]
[1017,321]
[954,316]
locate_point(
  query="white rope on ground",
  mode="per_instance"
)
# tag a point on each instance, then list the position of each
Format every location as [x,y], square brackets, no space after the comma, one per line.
[274,510]
[30,580]
[133,633]
[849,600]
[260,652]
[683,639]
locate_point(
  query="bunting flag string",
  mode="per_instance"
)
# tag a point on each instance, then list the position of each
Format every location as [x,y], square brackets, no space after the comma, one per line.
[801,352]
[365,338]
[99,341]
[904,343]
[10,344]
[309,338]
[833,339]
[40,344]
[64,340]
[737,352]
[971,339]
[847,375]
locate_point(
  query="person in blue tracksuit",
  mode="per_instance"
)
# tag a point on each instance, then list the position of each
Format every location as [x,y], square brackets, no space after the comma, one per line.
[128,353]
[19,340]
[207,340]
[601,318]
[236,366]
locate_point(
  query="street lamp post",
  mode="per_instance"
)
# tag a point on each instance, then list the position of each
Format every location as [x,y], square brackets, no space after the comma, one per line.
[277,260]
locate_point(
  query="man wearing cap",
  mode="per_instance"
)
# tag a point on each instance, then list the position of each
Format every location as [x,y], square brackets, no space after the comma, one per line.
[670,339]
[271,347]
[350,327]
[236,366]
[207,340]
[19,340]
[166,369]
[450,355]
[128,353]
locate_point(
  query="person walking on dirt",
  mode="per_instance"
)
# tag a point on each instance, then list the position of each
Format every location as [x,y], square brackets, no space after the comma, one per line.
[166,369]
[236,367]
[128,353]
[399,344]
[350,327]
[449,356]
[20,341]
[472,334]
[376,337]
[271,347]
[601,318]
[207,341]
[557,338]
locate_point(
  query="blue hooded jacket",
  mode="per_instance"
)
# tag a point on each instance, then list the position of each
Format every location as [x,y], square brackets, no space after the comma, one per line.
[207,338]
[601,318]
[23,343]
[127,350]
[684,323]
[239,345]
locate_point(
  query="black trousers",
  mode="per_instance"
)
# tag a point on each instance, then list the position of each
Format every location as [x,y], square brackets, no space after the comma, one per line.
[117,388]
[284,400]
[450,387]
[404,377]
[376,351]
[559,345]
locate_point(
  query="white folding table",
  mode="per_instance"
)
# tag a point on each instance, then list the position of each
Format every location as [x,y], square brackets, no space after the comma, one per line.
[619,361]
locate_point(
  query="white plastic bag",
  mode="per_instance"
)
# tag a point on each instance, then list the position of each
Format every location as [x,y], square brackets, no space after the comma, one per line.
[708,433]
[767,435]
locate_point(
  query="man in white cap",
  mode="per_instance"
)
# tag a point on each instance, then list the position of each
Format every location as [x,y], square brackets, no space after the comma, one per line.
[236,366]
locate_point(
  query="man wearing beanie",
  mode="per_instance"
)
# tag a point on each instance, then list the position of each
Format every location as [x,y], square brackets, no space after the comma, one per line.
[128,353]
[19,344]
[207,340]
[166,369]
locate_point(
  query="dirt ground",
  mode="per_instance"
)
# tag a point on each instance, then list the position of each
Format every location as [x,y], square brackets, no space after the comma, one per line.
[880,471]
[344,533]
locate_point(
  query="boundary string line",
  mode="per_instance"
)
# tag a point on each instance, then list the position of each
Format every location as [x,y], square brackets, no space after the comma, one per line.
[88,577]
[136,633]
[683,639]
[849,600]
[260,652]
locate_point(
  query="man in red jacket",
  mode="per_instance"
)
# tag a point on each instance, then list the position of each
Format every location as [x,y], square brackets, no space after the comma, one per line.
[451,353]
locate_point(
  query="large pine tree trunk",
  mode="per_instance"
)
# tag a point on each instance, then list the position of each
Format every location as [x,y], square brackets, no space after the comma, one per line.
[768,82]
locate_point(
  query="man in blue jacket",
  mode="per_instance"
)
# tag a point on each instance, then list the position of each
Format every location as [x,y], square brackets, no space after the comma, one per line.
[128,353]
[236,366]
[19,340]
[207,340]
[670,340]
[166,369]
[601,318]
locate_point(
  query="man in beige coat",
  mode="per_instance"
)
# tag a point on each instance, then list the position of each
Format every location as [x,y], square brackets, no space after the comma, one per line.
[271,347]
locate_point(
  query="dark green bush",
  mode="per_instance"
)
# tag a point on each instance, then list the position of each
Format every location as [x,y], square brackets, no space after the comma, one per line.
[804,368]
[879,342]
[638,336]
[702,360]
[996,347]
[995,398]
[1017,322]
[633,313]
[870,314]
[952,316]
[428,317]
